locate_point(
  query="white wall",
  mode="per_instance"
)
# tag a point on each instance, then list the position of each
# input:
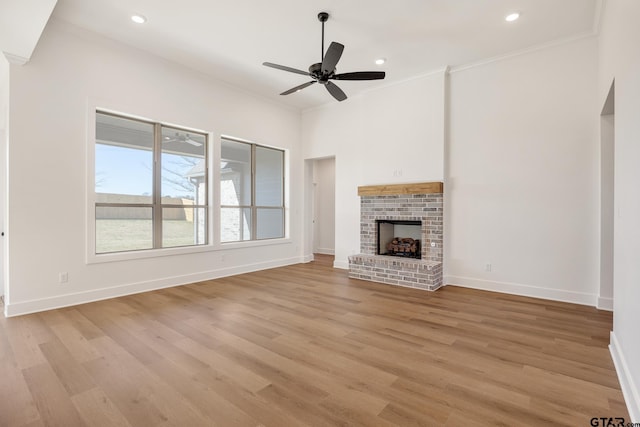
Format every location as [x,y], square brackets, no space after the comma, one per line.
[394,134]
[324,173]
[620,60]
[49,137]
[522,188]
[4,111]
[4,91]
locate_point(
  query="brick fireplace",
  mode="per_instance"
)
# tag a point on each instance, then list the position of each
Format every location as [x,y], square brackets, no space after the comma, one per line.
[417,203]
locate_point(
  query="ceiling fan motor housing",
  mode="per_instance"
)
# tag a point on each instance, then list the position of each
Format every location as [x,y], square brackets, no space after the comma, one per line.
[316,71]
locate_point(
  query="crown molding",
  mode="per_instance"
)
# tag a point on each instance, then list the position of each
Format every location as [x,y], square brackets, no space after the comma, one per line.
[516,53]
[15,59]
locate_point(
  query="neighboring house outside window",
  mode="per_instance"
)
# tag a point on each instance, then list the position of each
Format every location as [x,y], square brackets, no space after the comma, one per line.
[251,192]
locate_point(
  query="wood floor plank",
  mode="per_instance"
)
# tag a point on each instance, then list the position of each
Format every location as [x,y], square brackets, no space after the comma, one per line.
[81,324]
[400,415]
[278,369]
[121,379]
[25,334]
[249,402]
[75,342]
[54,404]
[307,345]
[97,410]
[305,411]
[243,376]
[73,377]
[17,406]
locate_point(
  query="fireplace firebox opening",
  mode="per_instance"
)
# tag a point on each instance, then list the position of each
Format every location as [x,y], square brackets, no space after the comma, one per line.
[399,238]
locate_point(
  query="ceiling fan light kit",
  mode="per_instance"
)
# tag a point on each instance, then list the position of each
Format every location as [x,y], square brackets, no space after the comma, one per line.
[325,70]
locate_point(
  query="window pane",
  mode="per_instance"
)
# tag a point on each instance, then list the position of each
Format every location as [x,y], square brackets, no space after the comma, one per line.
[183,166]
[123,229]
[269,179]
[235,224]
[235,174]
[270,223]
[123,160]
[184,226]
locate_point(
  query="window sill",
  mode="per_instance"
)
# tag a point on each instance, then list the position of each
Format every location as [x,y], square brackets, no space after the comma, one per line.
[157,253]
[253,243]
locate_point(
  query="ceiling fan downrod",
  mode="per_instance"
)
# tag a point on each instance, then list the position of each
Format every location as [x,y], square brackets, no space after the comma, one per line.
[322,17]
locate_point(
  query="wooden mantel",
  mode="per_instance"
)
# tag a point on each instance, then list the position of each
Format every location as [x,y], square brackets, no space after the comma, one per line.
[388,190]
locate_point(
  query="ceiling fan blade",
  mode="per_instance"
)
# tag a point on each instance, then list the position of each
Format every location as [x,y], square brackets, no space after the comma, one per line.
[285,68]
[297,88]
[335,91]
[332,57]
[361,75]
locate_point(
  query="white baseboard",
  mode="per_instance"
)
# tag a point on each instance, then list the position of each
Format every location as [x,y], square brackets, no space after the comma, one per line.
[629,390]
[605,304]
[325,251]
[341,264]
[59,301]
[308,258]
[524,290]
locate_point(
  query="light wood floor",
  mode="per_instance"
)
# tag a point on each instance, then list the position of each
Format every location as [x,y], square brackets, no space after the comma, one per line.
[305,345]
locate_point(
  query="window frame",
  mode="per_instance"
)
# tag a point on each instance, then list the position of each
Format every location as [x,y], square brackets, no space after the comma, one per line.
[156,205]
[253,207]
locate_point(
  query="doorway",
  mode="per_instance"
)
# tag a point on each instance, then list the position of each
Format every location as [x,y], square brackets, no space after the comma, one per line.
[324,207]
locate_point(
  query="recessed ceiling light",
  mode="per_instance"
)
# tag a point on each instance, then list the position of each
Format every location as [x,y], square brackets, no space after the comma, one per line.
[138,19]
[512,17]
[380,61]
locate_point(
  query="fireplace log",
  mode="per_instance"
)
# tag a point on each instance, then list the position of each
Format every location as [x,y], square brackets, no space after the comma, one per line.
[403,245]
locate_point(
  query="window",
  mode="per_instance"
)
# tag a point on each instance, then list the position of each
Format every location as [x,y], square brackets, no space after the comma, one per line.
[251,192]
[150,185]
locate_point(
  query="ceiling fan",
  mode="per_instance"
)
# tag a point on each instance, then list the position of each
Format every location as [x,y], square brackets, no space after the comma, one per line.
[325,70]
[182,138]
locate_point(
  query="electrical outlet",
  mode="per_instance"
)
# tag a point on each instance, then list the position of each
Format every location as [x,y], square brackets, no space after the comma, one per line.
[63,277]
[487,267]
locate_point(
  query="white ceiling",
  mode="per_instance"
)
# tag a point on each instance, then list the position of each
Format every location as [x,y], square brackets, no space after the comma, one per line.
[231,39]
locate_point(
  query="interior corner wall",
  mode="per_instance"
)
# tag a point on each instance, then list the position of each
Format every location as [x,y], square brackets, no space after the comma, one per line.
[49,136]
[4,91]
[619,59]
[390,135]
[607,170]
[523,175]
